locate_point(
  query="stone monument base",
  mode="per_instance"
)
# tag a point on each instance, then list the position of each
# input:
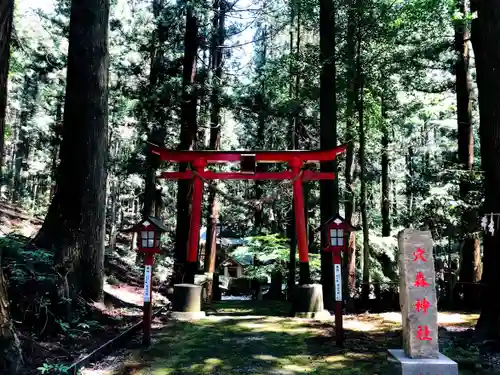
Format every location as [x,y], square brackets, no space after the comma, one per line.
[403,365]
[307,302]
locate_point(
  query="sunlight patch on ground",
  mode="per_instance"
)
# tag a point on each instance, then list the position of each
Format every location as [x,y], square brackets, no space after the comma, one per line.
[370,323]
[297,369]
[219,318]
[272,324]
[208,366]
[265,357]
[444,318]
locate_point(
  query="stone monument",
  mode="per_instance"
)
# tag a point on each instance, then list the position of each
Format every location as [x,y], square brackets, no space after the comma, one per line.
[417,296]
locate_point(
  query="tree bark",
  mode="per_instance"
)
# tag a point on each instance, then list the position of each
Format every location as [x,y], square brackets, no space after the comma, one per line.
[386,182]
[410,176]
[469,266]
[189,128]
[215,133]
[157,132]
[363,199]
[329,192]
[56,143]
[351,95]
[6,18]
[293,123]
[11,359]
[485,37]
[262,116]
[75,222]
[28,108]
[113,228]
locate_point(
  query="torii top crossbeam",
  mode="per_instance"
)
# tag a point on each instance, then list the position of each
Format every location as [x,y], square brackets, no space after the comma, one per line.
[212,157]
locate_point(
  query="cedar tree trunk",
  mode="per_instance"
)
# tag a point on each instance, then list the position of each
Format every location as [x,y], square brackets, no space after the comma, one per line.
[215,123]
[485,35]
[74,225]
[470,266]
[188,134]
[329,202]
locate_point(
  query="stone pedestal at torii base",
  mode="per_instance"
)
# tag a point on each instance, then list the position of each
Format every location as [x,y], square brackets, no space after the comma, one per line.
[417,296]
[186,303]
[307,302]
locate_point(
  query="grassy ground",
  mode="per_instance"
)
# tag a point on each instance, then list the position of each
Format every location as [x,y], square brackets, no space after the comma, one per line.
[248,337]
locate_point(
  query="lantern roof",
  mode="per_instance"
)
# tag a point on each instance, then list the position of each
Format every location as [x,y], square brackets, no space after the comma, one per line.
[148,223]
[340,221]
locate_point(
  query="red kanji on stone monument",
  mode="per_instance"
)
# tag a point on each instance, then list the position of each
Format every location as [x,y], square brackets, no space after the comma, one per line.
[419,254]
[423,333]
[420,280]
[422,305]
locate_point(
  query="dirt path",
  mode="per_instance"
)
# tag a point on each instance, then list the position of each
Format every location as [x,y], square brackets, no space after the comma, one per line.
[245,338]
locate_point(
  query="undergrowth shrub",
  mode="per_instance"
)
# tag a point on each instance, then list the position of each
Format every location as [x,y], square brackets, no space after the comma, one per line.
[31,280]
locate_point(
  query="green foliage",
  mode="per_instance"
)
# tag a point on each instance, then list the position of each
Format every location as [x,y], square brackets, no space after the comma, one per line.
[55,369]
[271,254]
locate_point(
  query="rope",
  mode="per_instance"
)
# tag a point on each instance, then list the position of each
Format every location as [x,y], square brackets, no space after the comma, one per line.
[249,203]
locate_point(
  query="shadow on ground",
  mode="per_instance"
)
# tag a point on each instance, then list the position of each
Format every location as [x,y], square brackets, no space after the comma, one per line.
[251,338]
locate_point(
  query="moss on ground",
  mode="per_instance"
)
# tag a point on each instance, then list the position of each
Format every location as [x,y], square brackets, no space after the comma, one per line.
[248,337]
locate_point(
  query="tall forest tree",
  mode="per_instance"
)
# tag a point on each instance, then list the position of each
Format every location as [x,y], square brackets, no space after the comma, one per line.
[188,133]
[74,224]
[11,359]
[485,37]
[351,94]
[471,256]
[217,61]
[329,190]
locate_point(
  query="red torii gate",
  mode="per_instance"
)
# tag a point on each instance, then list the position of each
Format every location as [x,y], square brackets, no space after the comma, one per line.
[248,161]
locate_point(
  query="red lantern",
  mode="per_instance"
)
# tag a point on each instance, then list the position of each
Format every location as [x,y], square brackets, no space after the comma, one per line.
[337,235]
[149,232]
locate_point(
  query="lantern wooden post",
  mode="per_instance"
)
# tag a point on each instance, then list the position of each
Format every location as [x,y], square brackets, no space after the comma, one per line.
[339,321]
[148,240]
[148,299]
[337,234]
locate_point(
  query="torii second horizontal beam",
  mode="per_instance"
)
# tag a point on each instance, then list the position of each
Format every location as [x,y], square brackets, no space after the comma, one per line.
[285,175]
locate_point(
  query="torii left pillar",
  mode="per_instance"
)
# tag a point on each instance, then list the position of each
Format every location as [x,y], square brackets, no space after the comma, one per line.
[194,227]
[295,166]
